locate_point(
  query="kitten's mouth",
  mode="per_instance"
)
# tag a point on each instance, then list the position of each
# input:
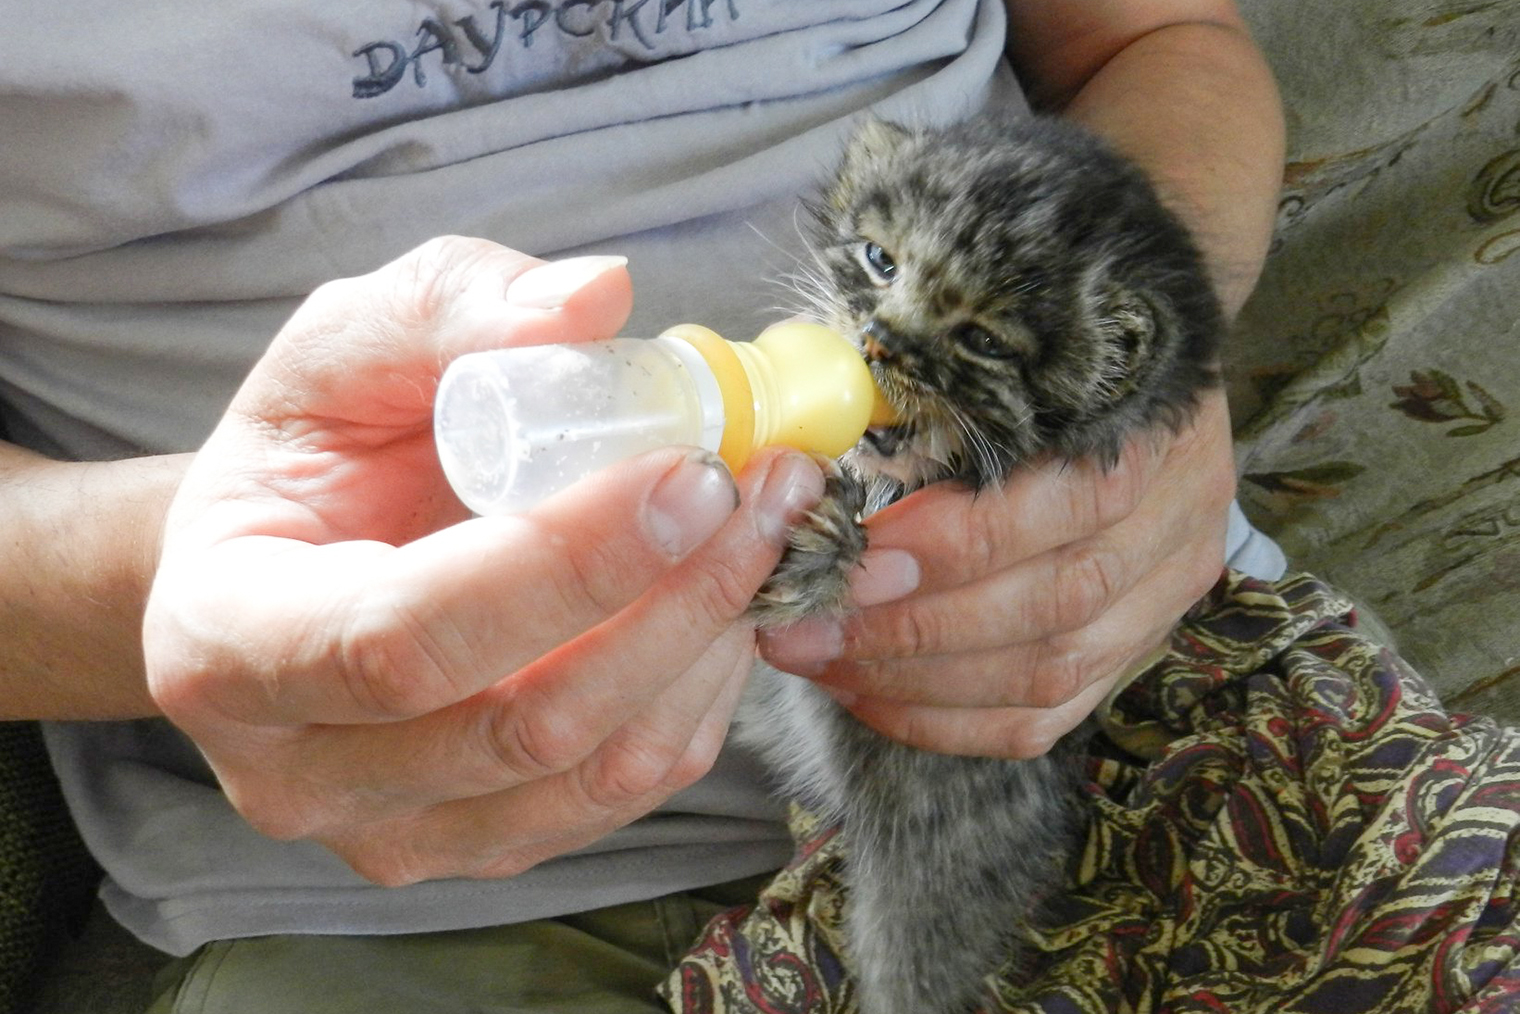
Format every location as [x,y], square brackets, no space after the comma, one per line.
[885,440]
[889,429]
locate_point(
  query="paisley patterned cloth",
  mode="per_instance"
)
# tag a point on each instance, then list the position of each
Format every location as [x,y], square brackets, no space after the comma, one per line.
[1284,821]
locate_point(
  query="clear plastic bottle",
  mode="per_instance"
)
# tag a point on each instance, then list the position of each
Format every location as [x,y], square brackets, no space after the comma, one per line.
[515,425]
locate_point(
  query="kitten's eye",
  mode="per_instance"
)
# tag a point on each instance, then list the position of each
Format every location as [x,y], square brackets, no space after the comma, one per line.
[879,262]
[977,339]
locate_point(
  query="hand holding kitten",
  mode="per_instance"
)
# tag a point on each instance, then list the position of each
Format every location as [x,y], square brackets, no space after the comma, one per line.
[1032,603]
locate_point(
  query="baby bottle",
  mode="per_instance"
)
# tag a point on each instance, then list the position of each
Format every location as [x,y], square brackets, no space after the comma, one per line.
[515,425]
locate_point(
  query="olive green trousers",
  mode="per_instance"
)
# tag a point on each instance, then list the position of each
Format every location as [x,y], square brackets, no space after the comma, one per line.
[602,962]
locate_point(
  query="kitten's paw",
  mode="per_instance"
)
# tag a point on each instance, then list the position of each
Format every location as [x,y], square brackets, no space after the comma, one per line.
[813,575]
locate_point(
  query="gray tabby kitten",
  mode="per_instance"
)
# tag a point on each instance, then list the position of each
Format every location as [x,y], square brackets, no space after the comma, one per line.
[1018,291]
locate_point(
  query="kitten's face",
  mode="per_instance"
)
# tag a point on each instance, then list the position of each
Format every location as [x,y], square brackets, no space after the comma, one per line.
[946,343]
[979,289]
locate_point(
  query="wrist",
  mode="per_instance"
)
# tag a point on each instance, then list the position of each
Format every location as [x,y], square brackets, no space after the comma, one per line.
[77,570]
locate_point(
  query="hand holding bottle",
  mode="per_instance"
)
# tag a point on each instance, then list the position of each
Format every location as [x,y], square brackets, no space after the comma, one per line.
[425,693]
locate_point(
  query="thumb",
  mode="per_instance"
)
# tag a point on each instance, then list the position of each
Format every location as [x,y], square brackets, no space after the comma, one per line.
[363,630]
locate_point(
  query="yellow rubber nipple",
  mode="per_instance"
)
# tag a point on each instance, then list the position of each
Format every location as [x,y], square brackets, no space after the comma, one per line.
[797,385]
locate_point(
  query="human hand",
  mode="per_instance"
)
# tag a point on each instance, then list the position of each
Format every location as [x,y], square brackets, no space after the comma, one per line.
[1028,605]
[428,694]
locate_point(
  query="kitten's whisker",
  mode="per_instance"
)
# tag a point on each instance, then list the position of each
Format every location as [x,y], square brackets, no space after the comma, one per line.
[1015,286]
[983,454]
[790,255]
[808,280]
[802,280]
[811,296]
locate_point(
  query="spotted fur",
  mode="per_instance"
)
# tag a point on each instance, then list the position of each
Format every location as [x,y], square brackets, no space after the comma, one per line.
[1018,290]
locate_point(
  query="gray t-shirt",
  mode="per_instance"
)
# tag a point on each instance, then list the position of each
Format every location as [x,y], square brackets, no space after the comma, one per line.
[176,176]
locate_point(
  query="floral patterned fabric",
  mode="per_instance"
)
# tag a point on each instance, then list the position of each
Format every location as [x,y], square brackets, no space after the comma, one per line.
[1375,374]
[1293,825]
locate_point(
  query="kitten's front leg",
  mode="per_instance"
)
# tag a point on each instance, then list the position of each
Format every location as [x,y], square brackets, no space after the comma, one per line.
[813,575]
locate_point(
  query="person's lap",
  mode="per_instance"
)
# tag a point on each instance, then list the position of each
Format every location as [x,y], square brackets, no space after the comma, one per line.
[602,962]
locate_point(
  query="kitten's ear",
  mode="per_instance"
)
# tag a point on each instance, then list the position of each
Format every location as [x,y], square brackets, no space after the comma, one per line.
[874,139]
[1127,325]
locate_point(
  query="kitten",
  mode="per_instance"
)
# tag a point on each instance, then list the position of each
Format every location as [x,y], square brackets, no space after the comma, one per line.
[1018,291]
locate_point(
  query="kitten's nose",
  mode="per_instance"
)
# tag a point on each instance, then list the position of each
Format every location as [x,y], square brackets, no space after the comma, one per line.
[877,339]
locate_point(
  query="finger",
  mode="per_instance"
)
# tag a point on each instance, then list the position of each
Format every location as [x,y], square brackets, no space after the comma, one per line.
[365,632]
[957,537]
[673,625]
[611,684]
[506,832]
[593,778]
[1044,673]
[1013,733]
[1057,591]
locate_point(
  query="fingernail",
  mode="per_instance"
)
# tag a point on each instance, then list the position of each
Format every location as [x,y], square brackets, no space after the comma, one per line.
[883,575]
[690,503]
[794,485]
[548,286]
[804,648]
